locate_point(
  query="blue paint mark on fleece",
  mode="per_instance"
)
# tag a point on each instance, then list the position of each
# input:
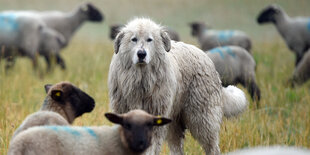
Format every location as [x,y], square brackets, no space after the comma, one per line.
[90,131]
[217,50]
[65,129]
[225,35]
[8,22]
[221,51]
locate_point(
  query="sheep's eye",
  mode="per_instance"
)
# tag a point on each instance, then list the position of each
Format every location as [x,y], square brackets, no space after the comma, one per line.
[134,39]
[149,40]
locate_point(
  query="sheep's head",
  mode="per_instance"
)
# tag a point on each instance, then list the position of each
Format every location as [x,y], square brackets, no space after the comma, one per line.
[269,14]
[137,126]
[93,14]
[114,30]
[68,100]
[198,28]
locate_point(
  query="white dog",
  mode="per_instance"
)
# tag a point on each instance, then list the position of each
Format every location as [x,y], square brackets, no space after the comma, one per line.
[173,79]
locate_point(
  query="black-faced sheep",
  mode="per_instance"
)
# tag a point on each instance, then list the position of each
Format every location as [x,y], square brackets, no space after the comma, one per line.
[115,29]
[235,65]
[63,104]
[132,136]
[295,31]
[24,34]
[209,38]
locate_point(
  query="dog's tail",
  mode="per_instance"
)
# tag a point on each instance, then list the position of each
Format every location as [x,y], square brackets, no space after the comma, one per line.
[234,101]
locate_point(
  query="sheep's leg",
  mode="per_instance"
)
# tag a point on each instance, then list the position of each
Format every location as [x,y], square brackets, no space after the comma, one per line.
[175,138]
[298,58]
[10,62]
[48,62]
[60,61]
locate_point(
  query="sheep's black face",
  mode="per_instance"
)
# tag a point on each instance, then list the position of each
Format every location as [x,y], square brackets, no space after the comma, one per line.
[268,15]
[138,136]
[93,13]
[115,29]
[80,101]
[197,28]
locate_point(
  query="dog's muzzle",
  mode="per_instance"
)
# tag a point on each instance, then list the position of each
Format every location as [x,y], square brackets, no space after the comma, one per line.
[141,55]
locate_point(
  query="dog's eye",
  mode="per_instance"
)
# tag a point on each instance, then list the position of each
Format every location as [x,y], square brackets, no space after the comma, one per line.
[134,39]
[149,40]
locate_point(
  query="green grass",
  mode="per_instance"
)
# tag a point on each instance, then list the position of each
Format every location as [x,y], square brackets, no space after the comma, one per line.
[283,114]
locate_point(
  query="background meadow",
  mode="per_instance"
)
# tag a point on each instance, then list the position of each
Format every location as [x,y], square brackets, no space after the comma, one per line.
[283,116]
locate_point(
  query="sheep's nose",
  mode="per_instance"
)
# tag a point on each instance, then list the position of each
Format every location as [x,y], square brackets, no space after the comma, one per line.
[141,54]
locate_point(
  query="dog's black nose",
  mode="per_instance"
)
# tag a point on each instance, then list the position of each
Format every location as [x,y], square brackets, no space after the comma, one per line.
[141,54]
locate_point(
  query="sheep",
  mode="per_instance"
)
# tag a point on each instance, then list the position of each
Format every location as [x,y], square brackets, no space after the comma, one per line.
[235,65]
[114,29]
[24,34]
[272,150]
[131,136]
[209,39]
[302,72]
[294,31]
[68,23]
[62,105]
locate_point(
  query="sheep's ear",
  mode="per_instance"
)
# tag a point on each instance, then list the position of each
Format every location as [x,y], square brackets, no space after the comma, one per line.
[159,121]
[118,40]
[114,118]
[166,40]
[57,95]
[47,87]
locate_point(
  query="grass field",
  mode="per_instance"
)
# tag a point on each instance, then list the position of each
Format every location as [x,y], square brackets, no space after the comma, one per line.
[283,116]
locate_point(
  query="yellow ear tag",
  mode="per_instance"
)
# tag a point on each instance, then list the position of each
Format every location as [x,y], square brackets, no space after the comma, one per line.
[159,121]
[57,94]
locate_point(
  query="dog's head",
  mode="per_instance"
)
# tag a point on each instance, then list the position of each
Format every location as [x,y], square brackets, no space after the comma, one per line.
[140,40]
[68,100]
[269,14]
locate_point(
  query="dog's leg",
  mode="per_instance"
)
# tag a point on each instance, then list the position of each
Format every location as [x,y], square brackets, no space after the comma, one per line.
[175,138]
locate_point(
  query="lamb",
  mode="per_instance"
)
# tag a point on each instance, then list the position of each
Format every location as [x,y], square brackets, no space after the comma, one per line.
[24,34]
[63,104]
[116,28]
[235,65]
[272,150]
[294,31]
[302,72]
[209,39]
[149,71]
[131,136]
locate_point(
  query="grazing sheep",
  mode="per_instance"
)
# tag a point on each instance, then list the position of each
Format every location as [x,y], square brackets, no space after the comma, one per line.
[63,104]
[235,65]
[24,34]
[272,150]
[149,71]
[116,28]
[131,137]
[302,71]
[295,31]
[209,39]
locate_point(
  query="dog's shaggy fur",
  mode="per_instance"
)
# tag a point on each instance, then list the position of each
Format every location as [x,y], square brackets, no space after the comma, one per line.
[172,79]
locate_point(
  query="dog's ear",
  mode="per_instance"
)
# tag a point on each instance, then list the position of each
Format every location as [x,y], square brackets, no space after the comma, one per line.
[166,40]
[118,40]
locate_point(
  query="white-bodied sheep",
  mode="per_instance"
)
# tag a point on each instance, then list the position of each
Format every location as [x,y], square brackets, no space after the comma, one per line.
[149,71]
[24,34]
[235,65]
[302,71]
[63,104]
[209,38]
[116,28]
[272,150]
[295,31]
[131,137]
